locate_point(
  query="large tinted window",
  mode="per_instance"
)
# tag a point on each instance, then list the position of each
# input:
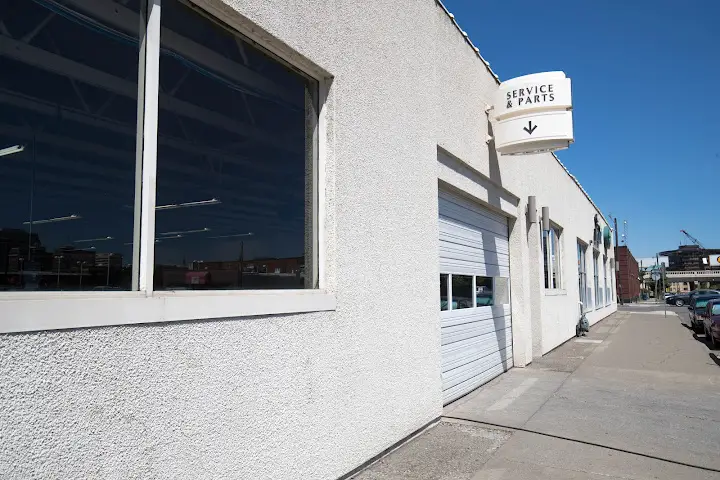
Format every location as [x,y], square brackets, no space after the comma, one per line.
[68,108]
[235,156]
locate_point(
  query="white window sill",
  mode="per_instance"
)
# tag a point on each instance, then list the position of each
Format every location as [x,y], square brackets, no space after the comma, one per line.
[554,292]
[32,311]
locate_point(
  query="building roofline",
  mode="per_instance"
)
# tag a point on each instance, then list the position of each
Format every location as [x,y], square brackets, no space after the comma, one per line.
[467,39]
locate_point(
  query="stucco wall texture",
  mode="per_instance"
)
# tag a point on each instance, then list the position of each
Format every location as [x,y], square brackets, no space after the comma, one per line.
[555,313]
[307,396]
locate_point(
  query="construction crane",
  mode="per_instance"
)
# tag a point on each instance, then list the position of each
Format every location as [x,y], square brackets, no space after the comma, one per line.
[693,239]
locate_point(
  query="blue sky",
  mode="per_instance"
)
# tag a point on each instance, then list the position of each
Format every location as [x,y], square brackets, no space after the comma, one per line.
[646,99]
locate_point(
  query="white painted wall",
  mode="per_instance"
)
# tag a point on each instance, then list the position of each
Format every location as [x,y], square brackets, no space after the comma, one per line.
[556,312]
[307,396]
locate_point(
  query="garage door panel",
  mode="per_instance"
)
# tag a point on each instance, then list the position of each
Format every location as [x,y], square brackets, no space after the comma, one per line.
[462,242]
[476,342]
[475,255]
[478,368]
[475,348]
[457,391]
[453,253]
[472,315]
[464,331]
[465,214]
[476,224]
[454,232]
[466,267]
[463,268]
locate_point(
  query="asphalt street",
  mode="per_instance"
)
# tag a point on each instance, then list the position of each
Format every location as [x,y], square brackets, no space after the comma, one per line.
[637,398]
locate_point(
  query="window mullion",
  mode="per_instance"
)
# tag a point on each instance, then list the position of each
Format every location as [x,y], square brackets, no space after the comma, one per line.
[151,45]
[551,263]
[473,291]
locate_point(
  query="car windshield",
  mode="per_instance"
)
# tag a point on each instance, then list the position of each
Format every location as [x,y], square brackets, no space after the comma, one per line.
[716,309]
[701,303]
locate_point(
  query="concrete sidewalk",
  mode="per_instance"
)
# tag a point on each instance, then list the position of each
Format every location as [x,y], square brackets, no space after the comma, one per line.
[638,398]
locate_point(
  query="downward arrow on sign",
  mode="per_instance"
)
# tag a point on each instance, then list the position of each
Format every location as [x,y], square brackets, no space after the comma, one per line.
[530,128]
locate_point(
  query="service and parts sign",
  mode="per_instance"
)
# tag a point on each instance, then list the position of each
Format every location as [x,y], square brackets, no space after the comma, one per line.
[715,260]
[533,114]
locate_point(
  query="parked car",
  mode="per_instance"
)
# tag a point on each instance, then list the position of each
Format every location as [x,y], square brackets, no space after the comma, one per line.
[682,299]
[711,323]
[698,309]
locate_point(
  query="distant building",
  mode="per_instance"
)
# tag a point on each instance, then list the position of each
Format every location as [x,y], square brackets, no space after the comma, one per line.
[689,258]
[14,245]
[627,270]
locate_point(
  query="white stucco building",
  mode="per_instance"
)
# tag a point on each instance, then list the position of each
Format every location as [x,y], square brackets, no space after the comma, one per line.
[238,216]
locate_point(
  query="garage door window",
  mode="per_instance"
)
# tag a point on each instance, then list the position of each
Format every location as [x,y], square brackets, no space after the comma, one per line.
[444,291]
[462,296]
[483,291]
[502,291]
[456,291]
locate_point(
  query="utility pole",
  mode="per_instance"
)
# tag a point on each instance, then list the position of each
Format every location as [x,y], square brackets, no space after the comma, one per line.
[662,272]
[617,264]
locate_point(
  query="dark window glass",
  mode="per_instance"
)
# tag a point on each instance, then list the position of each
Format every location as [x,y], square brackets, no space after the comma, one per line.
[546,266]
[462,295]
[68,108]
[483,291]
[235,156]
[443,291]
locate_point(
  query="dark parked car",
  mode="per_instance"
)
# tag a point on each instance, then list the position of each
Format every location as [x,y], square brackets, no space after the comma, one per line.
[682,299]
[711,323]
[698,309]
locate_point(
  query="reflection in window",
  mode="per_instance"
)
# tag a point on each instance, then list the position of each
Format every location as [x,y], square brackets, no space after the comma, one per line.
[483,291]
[235,151]
[443,291]
[462,295]
[551,257]
[68,107]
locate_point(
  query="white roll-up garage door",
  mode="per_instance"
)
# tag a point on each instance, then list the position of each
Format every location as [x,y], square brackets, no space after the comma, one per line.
[475,312]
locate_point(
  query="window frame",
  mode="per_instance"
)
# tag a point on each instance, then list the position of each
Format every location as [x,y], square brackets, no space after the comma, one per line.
[607,287]
[582,274]
[474,293]
[554,235]
[596,280]
[40,310]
